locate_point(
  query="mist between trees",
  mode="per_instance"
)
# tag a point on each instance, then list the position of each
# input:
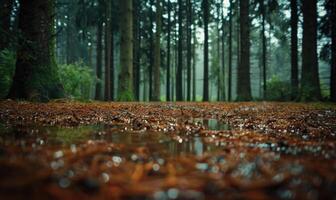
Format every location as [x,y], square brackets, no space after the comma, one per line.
[168,50]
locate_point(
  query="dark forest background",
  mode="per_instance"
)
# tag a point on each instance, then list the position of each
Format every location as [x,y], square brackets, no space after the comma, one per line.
[168,50]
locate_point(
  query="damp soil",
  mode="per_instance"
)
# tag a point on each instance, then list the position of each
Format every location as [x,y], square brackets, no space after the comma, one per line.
[72,150]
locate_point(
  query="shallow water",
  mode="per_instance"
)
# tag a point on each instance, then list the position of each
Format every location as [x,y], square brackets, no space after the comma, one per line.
[160,142]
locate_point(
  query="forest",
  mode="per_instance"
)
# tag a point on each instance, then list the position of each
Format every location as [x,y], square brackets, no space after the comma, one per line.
[169,50]
[168,99]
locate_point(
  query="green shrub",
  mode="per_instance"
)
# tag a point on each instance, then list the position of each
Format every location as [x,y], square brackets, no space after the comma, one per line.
[278,90]
[7,67]
[77,80]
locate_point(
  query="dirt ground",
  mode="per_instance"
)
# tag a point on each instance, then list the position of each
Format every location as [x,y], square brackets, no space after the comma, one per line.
[72,150]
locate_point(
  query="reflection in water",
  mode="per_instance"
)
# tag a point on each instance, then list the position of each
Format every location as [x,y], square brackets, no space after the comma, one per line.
[167,143]
[212,124]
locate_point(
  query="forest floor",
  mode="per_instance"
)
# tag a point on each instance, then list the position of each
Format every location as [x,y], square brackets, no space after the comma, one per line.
[72,150]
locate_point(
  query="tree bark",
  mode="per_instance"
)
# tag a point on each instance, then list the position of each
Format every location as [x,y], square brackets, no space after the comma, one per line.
[5,17]
[36,75]
[264,48]
[310,82]
[294,50]
[99,58]
[189,33]
[206,50]
[333,53]
[108,43]
[179,89]
[244,83]
[168,51]
[136,50]
[126,52]
[230,53]
[157,57]
[223,91]
[151,53]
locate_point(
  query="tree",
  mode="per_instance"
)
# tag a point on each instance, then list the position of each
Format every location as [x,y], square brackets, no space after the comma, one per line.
[178,83]
[205,5]
[168,51]
[244,83]
[230,52]
[36,75]
[189,34]
[294,49]
[99,54]
[333,52]
[5,17]
[108,53]
[137,49]
[264,47]
[310,82]
[157,52]
[125,91]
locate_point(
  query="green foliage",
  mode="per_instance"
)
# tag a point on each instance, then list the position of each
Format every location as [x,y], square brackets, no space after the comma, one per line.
[7,67]
[278,90]
[126,96]
[77,80]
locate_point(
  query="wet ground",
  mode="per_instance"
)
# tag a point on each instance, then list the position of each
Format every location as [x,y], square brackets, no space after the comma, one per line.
[69,150]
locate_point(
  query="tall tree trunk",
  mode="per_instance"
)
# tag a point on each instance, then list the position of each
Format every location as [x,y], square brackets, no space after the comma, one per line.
[99,58]
[310,82]
[126,51]
[136,52]
[179,89]
[168,51]
[151,53]
[230,53]
[35,75]
[264,48]
[294,50]
[333,53]
[194,64]
[5,19]
[206,50]
[219,70]
[244,83]
[157,57]
[108,44]
[223,91]
[112,66]
[189,32]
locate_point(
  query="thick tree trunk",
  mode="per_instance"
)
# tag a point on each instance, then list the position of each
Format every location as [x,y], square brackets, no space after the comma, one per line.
[179,89]
[99,59]
[36,76]
[157,57]
[189,32]
[126,52]
[294,50]
[136,51]
[168,51]
[108,44]
[230,53]
[333,53]
[206,50]
[244,83]
[5,18]
[310,82]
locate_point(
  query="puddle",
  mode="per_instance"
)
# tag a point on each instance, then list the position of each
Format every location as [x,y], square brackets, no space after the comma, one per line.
[163,143]
[212,124]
